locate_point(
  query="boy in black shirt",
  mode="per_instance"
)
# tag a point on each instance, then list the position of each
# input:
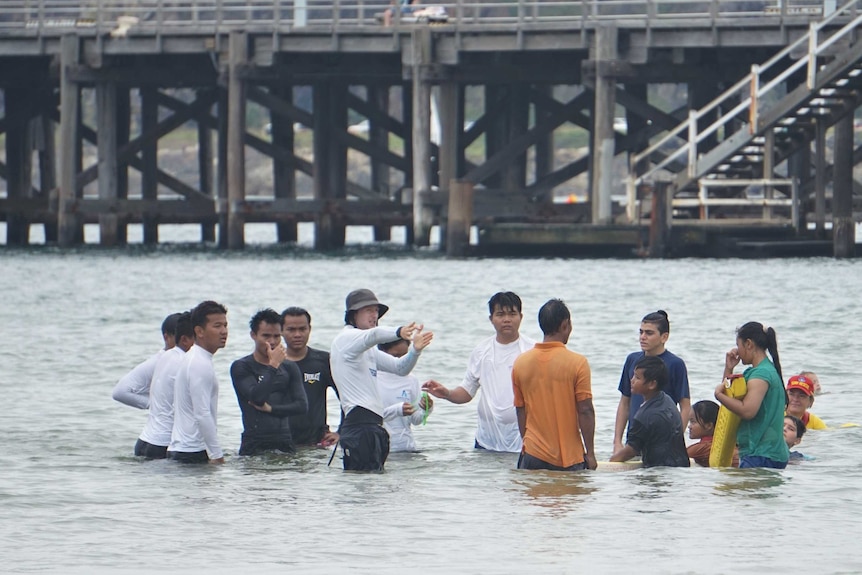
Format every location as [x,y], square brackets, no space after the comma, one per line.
[656,431]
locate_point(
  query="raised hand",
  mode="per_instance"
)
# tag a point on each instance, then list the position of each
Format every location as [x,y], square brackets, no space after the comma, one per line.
[436,389]
[421,339]
[277,355]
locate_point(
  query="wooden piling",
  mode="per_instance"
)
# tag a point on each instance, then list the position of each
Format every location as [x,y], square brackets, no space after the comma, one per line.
[149,158]
[605,50]
[237,59]
[18,162]
[378,97]
[843,224]
[106,122]
[69,228]
[659,227]
[451,126]
[460,218]
[283,174]
[820,179]
[205,173]
[421,135]
[221,167]
[47,171]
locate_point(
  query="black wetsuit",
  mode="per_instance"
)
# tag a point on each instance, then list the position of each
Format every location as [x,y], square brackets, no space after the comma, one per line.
[309,428]
[656,433]
[282,389]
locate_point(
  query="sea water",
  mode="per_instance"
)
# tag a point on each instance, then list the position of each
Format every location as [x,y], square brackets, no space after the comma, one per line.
[73,499]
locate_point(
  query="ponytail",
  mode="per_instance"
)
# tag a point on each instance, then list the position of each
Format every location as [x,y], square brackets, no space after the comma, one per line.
[772,348]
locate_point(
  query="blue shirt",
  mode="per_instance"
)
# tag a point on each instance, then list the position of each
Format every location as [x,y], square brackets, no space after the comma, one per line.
[677,383]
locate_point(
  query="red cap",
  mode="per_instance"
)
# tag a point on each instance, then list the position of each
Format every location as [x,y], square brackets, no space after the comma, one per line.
[801,383]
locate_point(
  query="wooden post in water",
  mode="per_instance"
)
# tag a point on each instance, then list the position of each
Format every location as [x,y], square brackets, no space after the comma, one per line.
[449,149]
[843,224]
[205,172]
[460,218]
[330,115]
[421,134]
[407,120]
[820,179]
[124,126]
[378,98]
[659,226]
[284,175]
[106,122]
[515,173]
[545,144]
[150,161]
[221,167]
[338,159]
[48,171]
[18,162]
[604,51]
[69,229]
[237,58]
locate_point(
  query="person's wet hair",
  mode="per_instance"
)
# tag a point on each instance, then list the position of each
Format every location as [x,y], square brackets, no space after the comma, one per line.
[169,326]
[705,412]
[654,369]
[658,319]
[504,300]
[552,315]
[267,315]
[764,338]
[184,326]
[204,309]
[294,311]
[800,427]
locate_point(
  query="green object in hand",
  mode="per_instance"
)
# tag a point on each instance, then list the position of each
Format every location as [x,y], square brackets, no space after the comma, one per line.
[424,407]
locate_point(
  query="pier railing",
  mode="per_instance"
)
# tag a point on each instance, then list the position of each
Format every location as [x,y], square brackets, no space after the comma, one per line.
[751,98]
[60,16]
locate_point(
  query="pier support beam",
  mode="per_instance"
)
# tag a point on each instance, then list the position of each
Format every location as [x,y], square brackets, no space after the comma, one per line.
[843,225]
[605,50]
[449,149]
[330,162]
[149,157]
[515,173]
[460,218]
[284,175]
[47,169]
[545,144]
[238,56]
[18,161]
[106,122]
[69,229]
[820,179]
[205,173]
[221,168]
[378,98]
[421,134]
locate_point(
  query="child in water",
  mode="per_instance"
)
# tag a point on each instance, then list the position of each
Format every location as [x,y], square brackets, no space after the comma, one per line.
[656,432]
[701,425]
[405,403]
[794,429]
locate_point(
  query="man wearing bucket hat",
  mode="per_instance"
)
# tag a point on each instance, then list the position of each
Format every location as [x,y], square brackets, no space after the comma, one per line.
[800,398]
[355,361]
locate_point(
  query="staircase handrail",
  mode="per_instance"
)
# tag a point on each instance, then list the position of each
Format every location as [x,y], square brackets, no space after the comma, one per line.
[693,136]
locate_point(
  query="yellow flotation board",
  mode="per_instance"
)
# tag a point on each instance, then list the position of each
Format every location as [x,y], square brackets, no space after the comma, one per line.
[618,465]
[724,437]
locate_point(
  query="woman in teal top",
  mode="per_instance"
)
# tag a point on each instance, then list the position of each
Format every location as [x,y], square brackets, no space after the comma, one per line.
[761,431]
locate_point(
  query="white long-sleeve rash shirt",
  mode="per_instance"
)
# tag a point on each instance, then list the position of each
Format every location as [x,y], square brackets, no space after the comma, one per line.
[354,361]
[196,405]
[160,419]
[133,389]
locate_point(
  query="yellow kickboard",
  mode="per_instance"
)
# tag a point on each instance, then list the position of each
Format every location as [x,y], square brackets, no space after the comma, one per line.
[724,437]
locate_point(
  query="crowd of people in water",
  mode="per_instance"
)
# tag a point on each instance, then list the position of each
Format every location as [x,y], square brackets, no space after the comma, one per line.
[535,400]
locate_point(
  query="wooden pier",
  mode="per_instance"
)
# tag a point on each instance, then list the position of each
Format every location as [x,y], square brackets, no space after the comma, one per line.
[761,151]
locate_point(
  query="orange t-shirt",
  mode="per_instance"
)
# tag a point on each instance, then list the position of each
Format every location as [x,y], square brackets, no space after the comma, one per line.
[548,381]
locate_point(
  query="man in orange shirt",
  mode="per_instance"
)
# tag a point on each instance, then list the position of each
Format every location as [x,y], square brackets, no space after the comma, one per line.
[554,398]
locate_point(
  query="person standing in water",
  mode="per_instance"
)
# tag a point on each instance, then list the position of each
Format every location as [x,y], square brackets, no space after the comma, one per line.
[761,431]
[654,333]
[490,368]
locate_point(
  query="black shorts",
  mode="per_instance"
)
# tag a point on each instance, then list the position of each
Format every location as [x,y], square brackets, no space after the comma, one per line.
[191,457]
[527,461]
[150,451]
[257,445]
[365,446]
